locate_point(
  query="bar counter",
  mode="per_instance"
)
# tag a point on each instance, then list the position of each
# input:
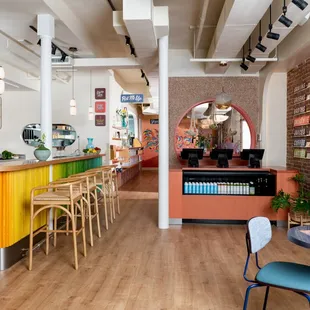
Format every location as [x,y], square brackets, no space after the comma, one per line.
[226,207]
[17,178]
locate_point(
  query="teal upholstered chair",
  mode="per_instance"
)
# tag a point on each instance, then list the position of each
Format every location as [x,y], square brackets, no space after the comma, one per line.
[283,275]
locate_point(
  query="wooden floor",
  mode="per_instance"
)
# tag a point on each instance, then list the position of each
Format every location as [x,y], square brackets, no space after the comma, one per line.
[137,266]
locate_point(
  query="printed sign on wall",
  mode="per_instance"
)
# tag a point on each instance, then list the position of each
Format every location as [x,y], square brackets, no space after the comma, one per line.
[301,120]
[133,98]
[100,120]
[100,93]
[100,106]
[154,121]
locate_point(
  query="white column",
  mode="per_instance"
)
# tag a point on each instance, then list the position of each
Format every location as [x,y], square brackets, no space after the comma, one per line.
[46,30]
[163,208]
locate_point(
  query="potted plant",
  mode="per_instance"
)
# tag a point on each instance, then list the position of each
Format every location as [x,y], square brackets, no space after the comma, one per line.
[299,206]
[41,152]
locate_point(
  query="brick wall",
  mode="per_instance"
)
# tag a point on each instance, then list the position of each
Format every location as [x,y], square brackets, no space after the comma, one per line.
[295,78]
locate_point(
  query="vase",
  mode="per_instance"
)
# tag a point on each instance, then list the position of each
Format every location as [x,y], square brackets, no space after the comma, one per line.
[90,143]
[124,124]
[42,155]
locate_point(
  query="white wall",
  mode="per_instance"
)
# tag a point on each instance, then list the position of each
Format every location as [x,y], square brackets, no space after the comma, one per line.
[273,129]
[21,108]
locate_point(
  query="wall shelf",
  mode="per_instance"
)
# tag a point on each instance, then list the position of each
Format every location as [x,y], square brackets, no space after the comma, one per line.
[303,113]
[303,136]
[116,139]
[301,125]
[300,90]
[301,147]
[299,102]
[120,128]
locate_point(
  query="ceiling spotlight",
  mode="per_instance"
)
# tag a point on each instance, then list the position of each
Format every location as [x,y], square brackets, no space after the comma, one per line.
[127,40]
[147,83]
[63,57]
[39,42]
[142,74]
[249,57]
[243,65]
[283,19]
[300,3]
[132,51]
[223,63]
[54,48]
[259,45]
[270,34]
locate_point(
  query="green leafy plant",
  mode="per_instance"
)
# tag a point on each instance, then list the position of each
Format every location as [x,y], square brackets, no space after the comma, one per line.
[7,155]
[41,143]
[281,201]
[203,141]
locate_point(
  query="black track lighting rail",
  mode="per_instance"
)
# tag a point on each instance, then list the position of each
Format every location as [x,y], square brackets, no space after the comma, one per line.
[54,47]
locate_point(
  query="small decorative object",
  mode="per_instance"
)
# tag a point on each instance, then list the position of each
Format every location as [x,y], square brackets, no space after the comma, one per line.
[98,150]
[100,120]
[123,114]
[100,93]
[90,143]
[223,100]
[90,151]
[7,155]
[100,106]
[42,153]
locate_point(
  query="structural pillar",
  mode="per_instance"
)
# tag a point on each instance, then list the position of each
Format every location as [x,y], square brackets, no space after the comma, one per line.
[46,31]
[163,207]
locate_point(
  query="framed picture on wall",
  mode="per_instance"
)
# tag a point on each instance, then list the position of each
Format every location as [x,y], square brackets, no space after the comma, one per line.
[100,120]
[100,107]
[100,93]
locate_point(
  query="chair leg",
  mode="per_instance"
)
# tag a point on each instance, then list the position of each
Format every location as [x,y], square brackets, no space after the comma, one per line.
[117,197]
[47,238]
[97,213]
[67,224]
[55,226]
[266,298]
[76,264]
[105,210]
[83,227]
[90,220]
[246,298]
[31,240]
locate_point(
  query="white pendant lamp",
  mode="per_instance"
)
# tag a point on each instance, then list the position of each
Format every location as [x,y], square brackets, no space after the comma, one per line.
[223,100]
[90,109]
[2,84]
[73,109]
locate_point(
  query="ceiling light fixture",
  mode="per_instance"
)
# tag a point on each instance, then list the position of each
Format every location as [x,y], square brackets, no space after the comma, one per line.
[2,84]
[90,108]
[72,101]
[132,51]
[283,19]
[127,39]
[249,57]
[142,74]
[223,63]
[63,57]
[222,100]
[243,65]
[54,48]
[259,45]
[39,42]
[147,81]
[300,3]
[271,35]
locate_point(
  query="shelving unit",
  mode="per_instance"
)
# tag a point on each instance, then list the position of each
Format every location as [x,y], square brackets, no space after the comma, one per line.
[117,139]
[303,113]
[299,102]
[302,89]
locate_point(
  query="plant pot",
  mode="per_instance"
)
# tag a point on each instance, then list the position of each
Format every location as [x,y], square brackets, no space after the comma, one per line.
[42,155]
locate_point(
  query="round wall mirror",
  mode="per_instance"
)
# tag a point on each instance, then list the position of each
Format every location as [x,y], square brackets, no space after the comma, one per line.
[208,127]
[63,135]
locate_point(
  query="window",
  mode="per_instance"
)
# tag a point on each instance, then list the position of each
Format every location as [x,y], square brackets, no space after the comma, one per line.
[246,135]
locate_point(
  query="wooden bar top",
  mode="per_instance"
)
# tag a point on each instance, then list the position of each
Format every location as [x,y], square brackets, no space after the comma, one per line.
[17,165]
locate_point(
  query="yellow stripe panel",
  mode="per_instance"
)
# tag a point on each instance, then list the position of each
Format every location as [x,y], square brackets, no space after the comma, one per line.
[15,190]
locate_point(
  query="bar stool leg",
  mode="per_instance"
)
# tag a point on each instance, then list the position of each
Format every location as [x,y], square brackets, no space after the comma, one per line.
[55,226]
[67,224]
[31,238]
[76,264]
[90,220]
[47,238]
[97,212]
[105,208]
[117,196]
[83,227]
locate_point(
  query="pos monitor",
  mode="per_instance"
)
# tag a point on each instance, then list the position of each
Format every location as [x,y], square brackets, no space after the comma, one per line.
[222,156]
[193,155]
[253,156]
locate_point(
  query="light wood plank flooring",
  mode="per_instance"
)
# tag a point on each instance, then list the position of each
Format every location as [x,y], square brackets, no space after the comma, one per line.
[137,266]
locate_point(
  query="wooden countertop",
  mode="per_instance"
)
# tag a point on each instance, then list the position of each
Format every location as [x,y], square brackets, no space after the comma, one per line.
[16,165]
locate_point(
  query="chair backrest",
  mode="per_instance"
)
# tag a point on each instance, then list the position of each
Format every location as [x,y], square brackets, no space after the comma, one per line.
[259,232]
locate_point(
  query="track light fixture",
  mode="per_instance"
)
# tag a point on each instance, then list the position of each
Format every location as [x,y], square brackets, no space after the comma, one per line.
[63,57]
[147,82]
[142,73]
[300,3]
[132,51]
[270,34]
[283,19]
[39,42]
[127,40]
[249,57]
[243,65]
[259,45]
[54,48]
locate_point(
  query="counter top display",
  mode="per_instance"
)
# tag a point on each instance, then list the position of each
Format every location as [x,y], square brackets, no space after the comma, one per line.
[33,163]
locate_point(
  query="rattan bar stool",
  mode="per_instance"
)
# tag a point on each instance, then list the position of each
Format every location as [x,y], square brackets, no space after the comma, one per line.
[89,188]
[57,196]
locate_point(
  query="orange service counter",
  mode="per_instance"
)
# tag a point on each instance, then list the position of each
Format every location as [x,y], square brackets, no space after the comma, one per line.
[226,207]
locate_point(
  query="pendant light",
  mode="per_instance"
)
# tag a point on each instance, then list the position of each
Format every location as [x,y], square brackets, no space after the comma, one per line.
[2,84]
[243,65]
[250,57]
[283,19]
[72,101]
[90,109]
[259,45]
[270,34]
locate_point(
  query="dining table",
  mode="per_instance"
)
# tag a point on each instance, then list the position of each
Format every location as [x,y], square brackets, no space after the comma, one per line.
[300,235]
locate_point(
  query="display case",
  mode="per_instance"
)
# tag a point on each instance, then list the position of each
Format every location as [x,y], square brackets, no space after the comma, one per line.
[237,183]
